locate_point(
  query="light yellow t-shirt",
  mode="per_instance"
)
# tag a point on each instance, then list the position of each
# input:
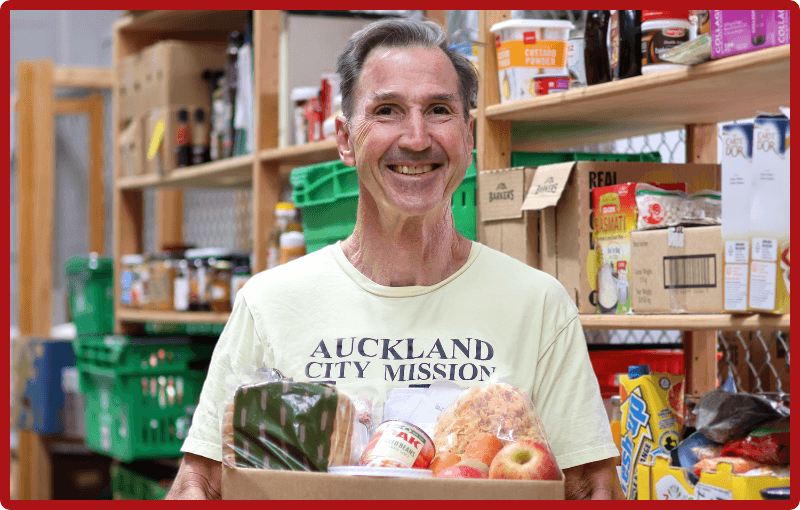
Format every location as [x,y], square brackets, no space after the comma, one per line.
[318,318]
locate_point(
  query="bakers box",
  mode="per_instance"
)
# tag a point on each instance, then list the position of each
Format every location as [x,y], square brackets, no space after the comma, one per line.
[249,483]
[561,195]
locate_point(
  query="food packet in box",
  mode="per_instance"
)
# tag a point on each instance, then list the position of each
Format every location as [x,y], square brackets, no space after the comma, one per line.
[701,208]
[276,423]
[657,207]
[484,420]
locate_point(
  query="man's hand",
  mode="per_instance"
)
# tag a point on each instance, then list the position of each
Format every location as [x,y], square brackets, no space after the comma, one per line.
[198,478]
[596,480]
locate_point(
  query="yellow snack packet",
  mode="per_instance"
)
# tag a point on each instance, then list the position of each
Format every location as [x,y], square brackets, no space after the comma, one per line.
[652,419]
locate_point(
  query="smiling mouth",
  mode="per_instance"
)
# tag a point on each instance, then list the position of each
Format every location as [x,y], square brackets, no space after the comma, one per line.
[413,170]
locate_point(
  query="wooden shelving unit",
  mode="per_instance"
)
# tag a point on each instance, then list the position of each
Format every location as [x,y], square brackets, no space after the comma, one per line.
[695,98]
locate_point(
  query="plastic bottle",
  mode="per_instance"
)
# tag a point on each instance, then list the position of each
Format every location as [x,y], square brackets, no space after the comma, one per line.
[630,44]
[234,43]
[662,31]
[285,214]
[182,145]
[293,245]
[635,371]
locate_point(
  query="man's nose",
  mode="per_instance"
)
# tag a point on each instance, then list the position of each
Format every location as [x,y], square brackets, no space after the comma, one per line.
[415,135]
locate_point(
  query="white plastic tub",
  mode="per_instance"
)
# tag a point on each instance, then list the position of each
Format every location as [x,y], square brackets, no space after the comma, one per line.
[527,48]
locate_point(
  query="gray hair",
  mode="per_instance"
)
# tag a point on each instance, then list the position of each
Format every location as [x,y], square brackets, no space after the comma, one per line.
[394,33]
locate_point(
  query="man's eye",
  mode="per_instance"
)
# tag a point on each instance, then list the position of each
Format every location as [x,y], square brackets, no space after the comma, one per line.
[440,110]
[384,110]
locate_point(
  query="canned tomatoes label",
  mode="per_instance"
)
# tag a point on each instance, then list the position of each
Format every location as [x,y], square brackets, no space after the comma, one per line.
[398,443]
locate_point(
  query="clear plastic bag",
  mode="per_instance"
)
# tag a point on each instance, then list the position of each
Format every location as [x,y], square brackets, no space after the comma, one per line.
[492,409]
[701,208]
[281,424]
[657,207]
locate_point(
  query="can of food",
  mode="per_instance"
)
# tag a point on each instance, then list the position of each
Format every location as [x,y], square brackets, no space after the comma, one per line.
[398,443]
[549,84]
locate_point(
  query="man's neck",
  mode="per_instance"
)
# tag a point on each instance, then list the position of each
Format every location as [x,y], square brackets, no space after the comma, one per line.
[405,252]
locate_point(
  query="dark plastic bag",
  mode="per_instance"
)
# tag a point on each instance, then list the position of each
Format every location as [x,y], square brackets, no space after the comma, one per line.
[723,416]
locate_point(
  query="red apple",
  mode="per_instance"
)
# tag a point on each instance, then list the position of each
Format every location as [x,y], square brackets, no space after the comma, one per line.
[476,464]
[461,471]
[525,460]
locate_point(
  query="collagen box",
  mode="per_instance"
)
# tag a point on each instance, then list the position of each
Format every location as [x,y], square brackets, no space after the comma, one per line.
[742,31]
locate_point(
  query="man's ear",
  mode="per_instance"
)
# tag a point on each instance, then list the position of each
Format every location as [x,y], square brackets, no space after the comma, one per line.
[343,141]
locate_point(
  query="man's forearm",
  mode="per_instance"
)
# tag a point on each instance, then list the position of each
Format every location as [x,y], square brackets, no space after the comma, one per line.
[596,480]
[198,478]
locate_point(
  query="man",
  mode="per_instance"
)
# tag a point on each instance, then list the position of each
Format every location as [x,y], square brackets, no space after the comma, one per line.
[405,299]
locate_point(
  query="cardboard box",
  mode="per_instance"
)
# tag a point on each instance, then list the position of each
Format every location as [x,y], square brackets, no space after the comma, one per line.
[248,483]
[670,483]
[677,270]
[42,407]
[743,31]
[125,74]
[132,149]
[563,194]
[506,227]
[172,73]
[160,131]
[737,187]
[768,286]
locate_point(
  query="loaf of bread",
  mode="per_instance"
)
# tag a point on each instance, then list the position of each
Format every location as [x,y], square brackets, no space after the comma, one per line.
[288,425]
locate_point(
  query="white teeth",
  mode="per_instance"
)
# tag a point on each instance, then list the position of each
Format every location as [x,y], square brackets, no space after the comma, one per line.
[414,170]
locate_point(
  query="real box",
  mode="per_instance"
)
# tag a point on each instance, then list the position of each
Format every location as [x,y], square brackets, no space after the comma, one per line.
[677,270]
[43,399]
[249,483]
[768,289]
[562,193]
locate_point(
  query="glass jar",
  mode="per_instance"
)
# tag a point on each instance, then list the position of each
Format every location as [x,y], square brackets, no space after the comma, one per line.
[163,270]
[181,292]
[219,285]
[129,276]
[241,273]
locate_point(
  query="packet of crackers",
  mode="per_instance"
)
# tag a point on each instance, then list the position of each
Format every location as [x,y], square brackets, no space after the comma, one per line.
[652,419]
[277,423]
[495,428]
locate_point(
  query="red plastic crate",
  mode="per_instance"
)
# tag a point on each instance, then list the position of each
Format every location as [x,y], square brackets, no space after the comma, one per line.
[607,364]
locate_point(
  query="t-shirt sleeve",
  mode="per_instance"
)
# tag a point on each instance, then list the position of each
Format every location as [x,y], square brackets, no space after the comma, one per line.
[238,351]
[568,400]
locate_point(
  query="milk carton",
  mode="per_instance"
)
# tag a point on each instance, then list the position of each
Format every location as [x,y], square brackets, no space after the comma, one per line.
[737,181]
[769,216]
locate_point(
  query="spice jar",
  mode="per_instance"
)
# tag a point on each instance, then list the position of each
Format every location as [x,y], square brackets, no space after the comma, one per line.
[198,267]
[163,270]
[241,273]
[219,285]
[181,292]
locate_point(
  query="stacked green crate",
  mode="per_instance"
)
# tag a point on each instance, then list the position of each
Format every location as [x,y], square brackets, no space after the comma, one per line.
[140,393]
[91,293]
[328,192]
[140,482]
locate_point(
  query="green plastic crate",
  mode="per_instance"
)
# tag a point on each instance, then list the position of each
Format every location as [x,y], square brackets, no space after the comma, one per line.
[91,294]
[140,393]
[127,483]
[328,192]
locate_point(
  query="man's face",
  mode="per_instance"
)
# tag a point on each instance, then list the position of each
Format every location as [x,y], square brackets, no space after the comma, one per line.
[408,136]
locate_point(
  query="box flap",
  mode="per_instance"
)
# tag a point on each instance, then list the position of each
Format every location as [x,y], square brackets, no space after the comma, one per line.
[548,184]
[501,193]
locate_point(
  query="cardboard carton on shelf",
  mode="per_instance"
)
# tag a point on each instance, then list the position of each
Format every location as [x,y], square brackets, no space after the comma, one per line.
[658,480]
[677,270]
[131,146]
[562,195]
[249,483]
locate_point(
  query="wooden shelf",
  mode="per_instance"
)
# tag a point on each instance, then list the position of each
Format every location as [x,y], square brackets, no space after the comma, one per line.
[687,322]
[731,88]
[233,172]
[209,23]
[127,315]
[306,154]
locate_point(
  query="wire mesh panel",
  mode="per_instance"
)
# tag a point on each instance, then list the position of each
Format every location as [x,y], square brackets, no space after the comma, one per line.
[758,361]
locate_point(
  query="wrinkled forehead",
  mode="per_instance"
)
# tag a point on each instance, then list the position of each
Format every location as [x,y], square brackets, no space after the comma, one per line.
[378,60]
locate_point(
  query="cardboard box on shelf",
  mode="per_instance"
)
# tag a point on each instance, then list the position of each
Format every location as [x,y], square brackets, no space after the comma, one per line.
[248,483]
[132,149]
[670,483]
[172,73]
[562,194]
[768,286]
[677,270]
[160,137]
[737,188]
[125,78]
[743,31]
[507,228]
